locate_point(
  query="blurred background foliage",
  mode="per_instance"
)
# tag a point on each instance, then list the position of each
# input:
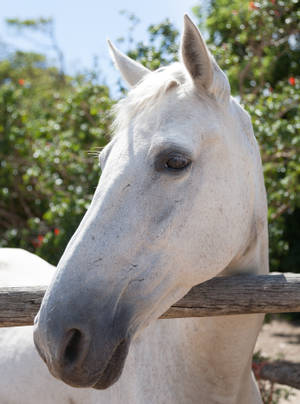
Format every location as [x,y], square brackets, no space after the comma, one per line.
[49,121]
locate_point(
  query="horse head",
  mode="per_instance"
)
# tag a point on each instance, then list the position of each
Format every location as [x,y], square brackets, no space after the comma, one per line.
[173,208]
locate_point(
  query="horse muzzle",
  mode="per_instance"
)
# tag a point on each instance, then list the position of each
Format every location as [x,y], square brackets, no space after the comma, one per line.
[89,355]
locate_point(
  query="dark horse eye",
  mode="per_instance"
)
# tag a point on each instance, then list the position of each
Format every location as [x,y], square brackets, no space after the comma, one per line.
[177,162]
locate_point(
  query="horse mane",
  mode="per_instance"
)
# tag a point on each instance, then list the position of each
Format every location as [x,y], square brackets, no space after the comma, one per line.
[147,93]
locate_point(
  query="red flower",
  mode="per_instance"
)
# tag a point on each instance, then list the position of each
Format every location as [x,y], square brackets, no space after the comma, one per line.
[38,242]
[273,1]
[21,82]
[253,5]
[56,231]
[292,81]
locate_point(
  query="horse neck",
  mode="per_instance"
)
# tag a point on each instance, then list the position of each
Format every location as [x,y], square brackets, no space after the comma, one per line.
[229,341]
[225,344]
[253,257]
[218,350]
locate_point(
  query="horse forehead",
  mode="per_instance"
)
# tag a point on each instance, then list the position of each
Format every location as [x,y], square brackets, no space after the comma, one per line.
[180,117]
[176,119]
[179,106]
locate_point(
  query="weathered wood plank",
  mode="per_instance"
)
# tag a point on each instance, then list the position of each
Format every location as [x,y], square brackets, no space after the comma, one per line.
[282,372]
[274,293]
[19,305]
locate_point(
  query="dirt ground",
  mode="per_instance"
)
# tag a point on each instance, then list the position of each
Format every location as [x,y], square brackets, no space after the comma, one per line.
[281,340]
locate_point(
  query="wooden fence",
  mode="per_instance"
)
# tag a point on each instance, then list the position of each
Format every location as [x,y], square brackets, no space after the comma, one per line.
[245,294]
[274,293]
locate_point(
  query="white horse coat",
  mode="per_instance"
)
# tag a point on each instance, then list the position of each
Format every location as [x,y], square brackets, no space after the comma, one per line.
[181,199]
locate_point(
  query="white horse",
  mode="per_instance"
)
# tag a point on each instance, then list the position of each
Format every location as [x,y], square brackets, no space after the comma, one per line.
[181,199]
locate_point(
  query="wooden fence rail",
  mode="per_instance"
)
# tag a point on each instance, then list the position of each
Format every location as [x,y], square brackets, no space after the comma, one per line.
[274,293]
[245,294]
[280,371]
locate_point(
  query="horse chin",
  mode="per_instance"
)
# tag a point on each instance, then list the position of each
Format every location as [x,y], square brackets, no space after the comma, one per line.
[114,367]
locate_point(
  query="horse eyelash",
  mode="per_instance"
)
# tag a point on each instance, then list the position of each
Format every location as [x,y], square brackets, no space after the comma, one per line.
[95,152]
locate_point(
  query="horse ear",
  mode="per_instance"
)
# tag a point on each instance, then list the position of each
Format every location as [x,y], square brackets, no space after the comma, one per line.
[131,71]
[199,62]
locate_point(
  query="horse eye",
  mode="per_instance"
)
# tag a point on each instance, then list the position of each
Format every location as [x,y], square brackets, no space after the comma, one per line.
[177,163]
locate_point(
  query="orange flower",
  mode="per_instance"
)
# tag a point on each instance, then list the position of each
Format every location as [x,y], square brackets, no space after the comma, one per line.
[292,81]
[56,231]
[253,5]
[21,82]
[40,239]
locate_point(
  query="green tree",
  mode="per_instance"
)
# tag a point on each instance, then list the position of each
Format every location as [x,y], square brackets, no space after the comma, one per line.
[44,26]
[47,128]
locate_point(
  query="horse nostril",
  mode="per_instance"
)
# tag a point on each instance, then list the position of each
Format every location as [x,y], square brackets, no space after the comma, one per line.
[74,347]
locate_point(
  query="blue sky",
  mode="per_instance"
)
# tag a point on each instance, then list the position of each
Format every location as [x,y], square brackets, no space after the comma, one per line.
[83,26]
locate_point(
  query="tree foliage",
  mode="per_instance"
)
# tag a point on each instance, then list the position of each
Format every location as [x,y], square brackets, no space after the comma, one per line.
[48,125]
[47,128]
